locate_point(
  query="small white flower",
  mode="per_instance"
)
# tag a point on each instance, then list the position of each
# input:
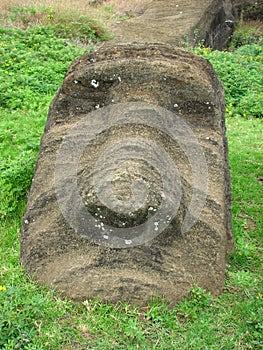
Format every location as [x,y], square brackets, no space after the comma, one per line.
[105,237]
[128,241]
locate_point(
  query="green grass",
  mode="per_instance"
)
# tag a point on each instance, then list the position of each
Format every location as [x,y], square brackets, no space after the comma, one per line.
[33,64]
[242,75]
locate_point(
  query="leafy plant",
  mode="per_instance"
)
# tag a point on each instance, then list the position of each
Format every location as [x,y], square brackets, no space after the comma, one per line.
[32,65]
[247,32]
[241,73]
[16,176]
[198,301]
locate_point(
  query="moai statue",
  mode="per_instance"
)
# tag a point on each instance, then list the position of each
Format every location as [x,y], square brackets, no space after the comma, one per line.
[131,194]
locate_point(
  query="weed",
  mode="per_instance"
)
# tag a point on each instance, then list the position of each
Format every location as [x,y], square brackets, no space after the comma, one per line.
[19,172]
[33,63]
[72,25]
[247,33]
[241,74]
[198,301]
[52,12]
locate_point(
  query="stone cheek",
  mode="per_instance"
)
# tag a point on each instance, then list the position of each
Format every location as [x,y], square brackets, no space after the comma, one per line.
[131,195]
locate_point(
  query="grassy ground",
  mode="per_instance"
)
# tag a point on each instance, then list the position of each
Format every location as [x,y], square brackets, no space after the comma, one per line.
[32,66]
[45,12]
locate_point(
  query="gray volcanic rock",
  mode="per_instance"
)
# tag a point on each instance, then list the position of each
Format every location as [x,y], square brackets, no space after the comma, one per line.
[131,194]
[249,9]
[179,21]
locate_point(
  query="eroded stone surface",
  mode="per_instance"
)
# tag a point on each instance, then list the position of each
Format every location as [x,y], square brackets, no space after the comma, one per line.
[180,22]
[118,94]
